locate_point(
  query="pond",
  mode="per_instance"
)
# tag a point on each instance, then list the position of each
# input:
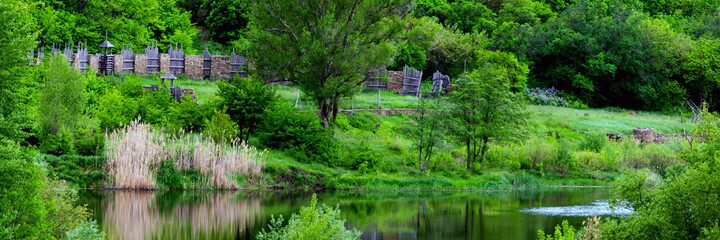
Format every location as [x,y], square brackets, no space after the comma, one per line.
[380,215]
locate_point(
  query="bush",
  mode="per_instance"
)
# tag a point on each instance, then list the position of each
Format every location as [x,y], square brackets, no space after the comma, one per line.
[566,232]
[155,106]
[81,171]
[22,210]
[300,133]
[246,100]
[312,222]
[189,115]
[364,121]
[220,128]
[363,159]
[87,231]
[593,142]
[57,144]
[116,109]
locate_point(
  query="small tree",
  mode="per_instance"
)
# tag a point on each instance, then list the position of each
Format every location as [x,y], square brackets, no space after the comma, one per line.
[62,98]
[428,127]
[325,46]
[246,100]
[313,222]
[485,110]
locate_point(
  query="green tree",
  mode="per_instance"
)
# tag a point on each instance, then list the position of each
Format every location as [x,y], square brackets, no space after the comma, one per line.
[485,110]
[428,127]
[246,100]
[325,46]
[62,100]
[226,19]
[312,222]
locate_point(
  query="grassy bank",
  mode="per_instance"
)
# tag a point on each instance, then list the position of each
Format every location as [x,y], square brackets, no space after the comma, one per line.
[559,147]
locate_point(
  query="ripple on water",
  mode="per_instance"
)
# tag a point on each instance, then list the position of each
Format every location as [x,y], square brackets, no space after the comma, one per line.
[597,208]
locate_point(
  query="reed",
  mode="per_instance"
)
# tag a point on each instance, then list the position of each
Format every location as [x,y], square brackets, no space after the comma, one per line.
[135,151]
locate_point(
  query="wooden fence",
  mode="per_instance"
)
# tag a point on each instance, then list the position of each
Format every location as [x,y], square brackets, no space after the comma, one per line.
[153,58]
[177,60]
[128,59]
[237,65]
[207,63]
[411,81]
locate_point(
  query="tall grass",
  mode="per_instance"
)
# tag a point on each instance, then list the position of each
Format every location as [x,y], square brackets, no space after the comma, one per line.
[134,154]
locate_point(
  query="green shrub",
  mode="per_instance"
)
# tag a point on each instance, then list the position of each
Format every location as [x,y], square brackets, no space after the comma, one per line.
[312,222]
[593,142]
[220,127]
[363,159]
[90,146]
[189,115]
[57,144]
[300,133]
[155,106]
[22,210]
[168,176]
[539,151]
[87,231]
[82,171]
[116,109]
[566,232]
[246,99]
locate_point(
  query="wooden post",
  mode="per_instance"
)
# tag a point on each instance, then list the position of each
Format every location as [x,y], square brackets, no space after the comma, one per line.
[378,100]
[297,99]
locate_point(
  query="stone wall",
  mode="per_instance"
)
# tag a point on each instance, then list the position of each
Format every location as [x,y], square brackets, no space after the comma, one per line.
[140,64]
[394,81]
[194,66]
[220,67]
[94,61]
[118,64]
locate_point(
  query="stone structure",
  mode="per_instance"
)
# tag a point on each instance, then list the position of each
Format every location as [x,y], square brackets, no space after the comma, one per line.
[220,67]
[118,64]
[94,61]
[140,64]
[194,66]
[395,81]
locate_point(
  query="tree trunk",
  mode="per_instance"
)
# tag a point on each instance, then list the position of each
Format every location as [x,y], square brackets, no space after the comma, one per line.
[484,149]
[469,153]
[420,157]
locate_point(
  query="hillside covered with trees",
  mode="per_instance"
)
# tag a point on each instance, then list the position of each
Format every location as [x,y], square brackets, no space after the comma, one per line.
[535,89]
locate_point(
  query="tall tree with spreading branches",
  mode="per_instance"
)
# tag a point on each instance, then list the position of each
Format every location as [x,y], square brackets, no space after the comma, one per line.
[324,46]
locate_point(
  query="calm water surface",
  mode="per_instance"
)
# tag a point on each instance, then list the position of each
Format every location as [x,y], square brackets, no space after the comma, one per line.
[395,215]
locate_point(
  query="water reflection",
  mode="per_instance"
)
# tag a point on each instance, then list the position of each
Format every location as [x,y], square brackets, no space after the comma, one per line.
[398,215]
[149,215]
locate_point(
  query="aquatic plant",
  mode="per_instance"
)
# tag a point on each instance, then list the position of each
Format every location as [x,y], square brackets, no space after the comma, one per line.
[135,151]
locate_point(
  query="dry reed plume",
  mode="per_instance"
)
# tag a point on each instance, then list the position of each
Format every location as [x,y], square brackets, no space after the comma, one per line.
[134,152]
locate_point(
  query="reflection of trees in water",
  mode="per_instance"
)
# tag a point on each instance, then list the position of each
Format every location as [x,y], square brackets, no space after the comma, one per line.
[137,215]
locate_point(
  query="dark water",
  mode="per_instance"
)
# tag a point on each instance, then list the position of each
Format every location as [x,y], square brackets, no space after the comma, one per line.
[395,215]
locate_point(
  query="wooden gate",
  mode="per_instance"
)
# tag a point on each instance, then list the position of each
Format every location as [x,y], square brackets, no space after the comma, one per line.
[177,60]
[82,57]
[128,64]
[207,63]
[237,65]
[153,58]
[411,81]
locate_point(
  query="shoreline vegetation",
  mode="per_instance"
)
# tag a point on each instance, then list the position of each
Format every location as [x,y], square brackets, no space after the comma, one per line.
[567,147]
